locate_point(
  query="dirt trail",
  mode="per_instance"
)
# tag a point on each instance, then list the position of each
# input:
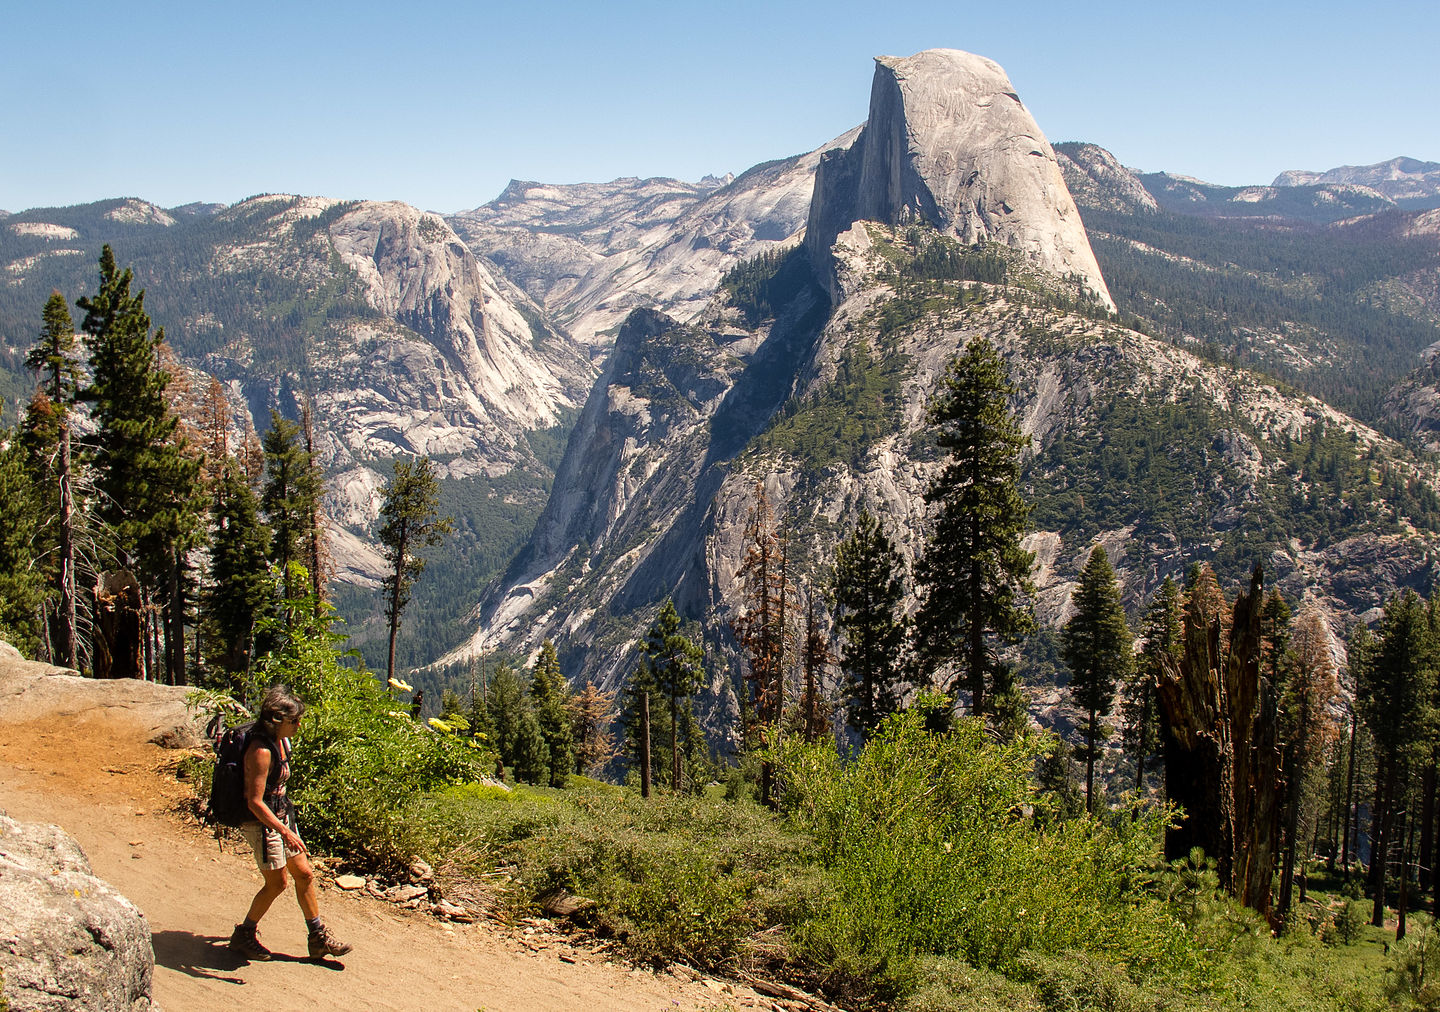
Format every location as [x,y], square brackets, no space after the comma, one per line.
[87,768]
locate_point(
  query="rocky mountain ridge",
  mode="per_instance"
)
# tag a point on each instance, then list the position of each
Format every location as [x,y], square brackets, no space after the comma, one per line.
[1407,181]
[591,253]
[821,399]
[404,341]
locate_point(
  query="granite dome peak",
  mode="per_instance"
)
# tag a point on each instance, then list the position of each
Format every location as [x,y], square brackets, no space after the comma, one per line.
[949,141]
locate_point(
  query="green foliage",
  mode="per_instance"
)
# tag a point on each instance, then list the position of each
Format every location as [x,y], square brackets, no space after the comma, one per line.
[922,840]
[530,752]
[945,259]
[843,418]
[1413,973]
[672,668]
[147,483]
[239,585]
[291,494]
[21,583]
[974,578]
[1225,283]
[359,761]
[409,520]
[1096,646]
[868,592]
[678,877]
[550,698]
[507,706]
[1140,705]
[1349,922]
[765,285]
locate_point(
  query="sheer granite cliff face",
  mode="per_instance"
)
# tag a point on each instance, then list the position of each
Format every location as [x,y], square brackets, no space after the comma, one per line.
[949,142]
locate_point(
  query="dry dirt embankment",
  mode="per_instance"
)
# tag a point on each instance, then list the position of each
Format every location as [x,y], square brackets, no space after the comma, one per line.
[76,752]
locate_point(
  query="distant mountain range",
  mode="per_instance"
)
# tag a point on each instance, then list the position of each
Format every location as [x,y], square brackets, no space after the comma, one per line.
[605,371]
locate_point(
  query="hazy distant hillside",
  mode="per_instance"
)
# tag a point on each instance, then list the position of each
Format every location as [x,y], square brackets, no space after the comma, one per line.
[1409,182]
[1340,309]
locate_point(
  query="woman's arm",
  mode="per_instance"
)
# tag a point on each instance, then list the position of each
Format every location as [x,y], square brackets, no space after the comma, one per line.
[257,772]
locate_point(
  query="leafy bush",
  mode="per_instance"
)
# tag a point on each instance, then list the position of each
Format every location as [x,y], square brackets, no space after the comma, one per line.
[930,850]
[359,759]
[676,877]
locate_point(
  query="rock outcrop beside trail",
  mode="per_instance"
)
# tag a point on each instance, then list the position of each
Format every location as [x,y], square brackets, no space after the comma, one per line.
[31,690]
[949,142]
[68,940]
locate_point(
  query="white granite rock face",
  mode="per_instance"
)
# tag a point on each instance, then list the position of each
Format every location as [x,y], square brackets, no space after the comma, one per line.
[593,252]
[68,940]
[948,141]
[1096,178]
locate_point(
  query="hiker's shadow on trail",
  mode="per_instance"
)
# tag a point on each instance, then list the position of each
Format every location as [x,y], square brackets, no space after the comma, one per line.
[208,956]
[196,955]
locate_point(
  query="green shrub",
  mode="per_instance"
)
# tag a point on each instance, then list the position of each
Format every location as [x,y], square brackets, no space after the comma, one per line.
[1413,971]
[360,761]
[677,877]
[929,849]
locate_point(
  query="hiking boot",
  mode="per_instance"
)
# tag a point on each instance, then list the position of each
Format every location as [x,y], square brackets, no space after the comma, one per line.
[323,943]
[245,942]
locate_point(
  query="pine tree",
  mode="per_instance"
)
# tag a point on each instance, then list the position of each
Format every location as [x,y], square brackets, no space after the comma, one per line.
[21,584]
[1395,689]
[409,520]
[507,707]
[974,578]
[290,499]
[531,754]
[1096,646]
[146,480]
[1307,729]
[550,698]
[638,690]
[1139,706]
[868,592]
[239,588]
[54,356]
[673,666]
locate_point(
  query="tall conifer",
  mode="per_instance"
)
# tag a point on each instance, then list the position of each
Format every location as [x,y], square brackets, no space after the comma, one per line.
[409,521]
[235,596]
[1096,647]
[145,479]
[550,697]
[672,663]
[54,356]
[974,578]
[868,591]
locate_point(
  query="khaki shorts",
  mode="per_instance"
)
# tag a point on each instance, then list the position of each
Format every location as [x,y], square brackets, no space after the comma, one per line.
[271,854]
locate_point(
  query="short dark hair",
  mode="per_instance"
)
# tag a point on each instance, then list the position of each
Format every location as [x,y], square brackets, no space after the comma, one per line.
[278,706]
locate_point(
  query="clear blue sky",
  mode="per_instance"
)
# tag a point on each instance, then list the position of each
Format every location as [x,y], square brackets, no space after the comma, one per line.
[440,104]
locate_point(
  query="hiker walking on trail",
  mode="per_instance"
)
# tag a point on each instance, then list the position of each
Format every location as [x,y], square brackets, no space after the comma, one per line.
[273,833]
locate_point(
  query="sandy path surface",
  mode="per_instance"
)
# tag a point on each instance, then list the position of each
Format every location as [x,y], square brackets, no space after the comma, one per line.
[89,770]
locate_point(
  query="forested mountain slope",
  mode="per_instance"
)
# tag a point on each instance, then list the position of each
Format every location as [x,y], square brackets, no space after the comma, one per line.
[1340,305]
[402,339]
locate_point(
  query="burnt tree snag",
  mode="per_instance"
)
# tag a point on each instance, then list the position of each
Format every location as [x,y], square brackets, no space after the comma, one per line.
[1221,755]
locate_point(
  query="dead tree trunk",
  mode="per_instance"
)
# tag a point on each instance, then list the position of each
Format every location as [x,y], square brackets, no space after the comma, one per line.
[119,627]
[1221,757]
